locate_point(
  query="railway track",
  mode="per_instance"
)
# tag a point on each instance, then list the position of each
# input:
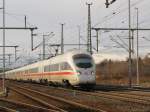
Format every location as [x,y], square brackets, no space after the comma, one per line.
[5,109]
[134,101]
[141,99]
[140,89]
[145,95]
[53,102]
[15,106]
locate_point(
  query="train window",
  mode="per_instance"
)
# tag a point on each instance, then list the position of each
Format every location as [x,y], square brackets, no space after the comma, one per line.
[65,66]
[54,67]
[26,71]
[84,65]
[33,70]
[83,61]
[47,68]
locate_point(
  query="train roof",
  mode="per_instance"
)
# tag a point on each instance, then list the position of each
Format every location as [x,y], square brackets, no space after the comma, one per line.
[59,58]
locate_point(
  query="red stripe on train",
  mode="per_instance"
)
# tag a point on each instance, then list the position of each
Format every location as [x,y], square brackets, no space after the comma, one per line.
[49,73]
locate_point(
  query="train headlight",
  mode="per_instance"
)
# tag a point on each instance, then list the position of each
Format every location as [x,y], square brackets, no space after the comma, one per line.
[79,73]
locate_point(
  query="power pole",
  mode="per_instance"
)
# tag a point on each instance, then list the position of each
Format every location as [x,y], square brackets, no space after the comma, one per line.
[130,60]
[25,21]
[132,50]
[137,72]
[62,38]
[79,36]
[43,47]
[32,35]
[3,46]
[9,56]
[97,40]
[132,35]
[89,40]
[16,53]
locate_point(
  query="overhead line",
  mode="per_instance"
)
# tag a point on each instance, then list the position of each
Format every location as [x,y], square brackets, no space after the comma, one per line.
[116,13]
[19,28]
[146,29]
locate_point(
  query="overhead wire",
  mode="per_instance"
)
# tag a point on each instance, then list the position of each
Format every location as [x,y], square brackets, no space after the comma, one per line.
[132,5]
[112,14]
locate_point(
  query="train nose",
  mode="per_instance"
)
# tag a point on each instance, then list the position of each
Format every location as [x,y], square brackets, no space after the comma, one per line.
[86,77]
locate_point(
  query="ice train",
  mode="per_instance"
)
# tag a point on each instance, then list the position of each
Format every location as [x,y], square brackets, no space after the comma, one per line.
[76,68]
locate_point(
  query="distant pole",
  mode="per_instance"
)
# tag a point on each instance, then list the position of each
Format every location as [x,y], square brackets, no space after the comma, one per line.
[62,38]
[97,40]
[137,80]
[25,20]
[9,56]
[3,46]
[132,32]
[79,36]
[15,53]
[43,47]
[32,40]
[130,69]
[89,40]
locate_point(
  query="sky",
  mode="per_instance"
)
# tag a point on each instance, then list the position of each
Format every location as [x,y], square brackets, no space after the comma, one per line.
[47,15]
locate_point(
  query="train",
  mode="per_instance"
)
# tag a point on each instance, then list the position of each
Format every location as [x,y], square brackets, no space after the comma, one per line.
[74,68]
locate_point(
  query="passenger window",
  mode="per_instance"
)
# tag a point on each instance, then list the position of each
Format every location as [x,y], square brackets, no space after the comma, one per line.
[47,68]
[33,70]
[65,66]
[54,67]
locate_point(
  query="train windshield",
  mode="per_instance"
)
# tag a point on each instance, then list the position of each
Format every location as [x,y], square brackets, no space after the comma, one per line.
[83,61]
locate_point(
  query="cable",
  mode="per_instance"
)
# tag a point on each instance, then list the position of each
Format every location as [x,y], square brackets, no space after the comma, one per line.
[110,16]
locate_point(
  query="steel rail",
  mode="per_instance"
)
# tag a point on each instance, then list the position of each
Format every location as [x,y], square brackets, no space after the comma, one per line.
[63,100]
[106,95]
[146,96]
[5,109]
[45,104]
[19,105]
[141,101]
[124,98]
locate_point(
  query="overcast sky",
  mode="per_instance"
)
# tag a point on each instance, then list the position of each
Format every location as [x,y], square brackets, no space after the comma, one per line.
[48,14]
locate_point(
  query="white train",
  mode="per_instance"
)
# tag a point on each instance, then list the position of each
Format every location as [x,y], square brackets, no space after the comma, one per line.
[76,68]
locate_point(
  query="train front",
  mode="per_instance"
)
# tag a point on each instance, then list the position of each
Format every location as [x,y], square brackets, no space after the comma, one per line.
[85,68]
